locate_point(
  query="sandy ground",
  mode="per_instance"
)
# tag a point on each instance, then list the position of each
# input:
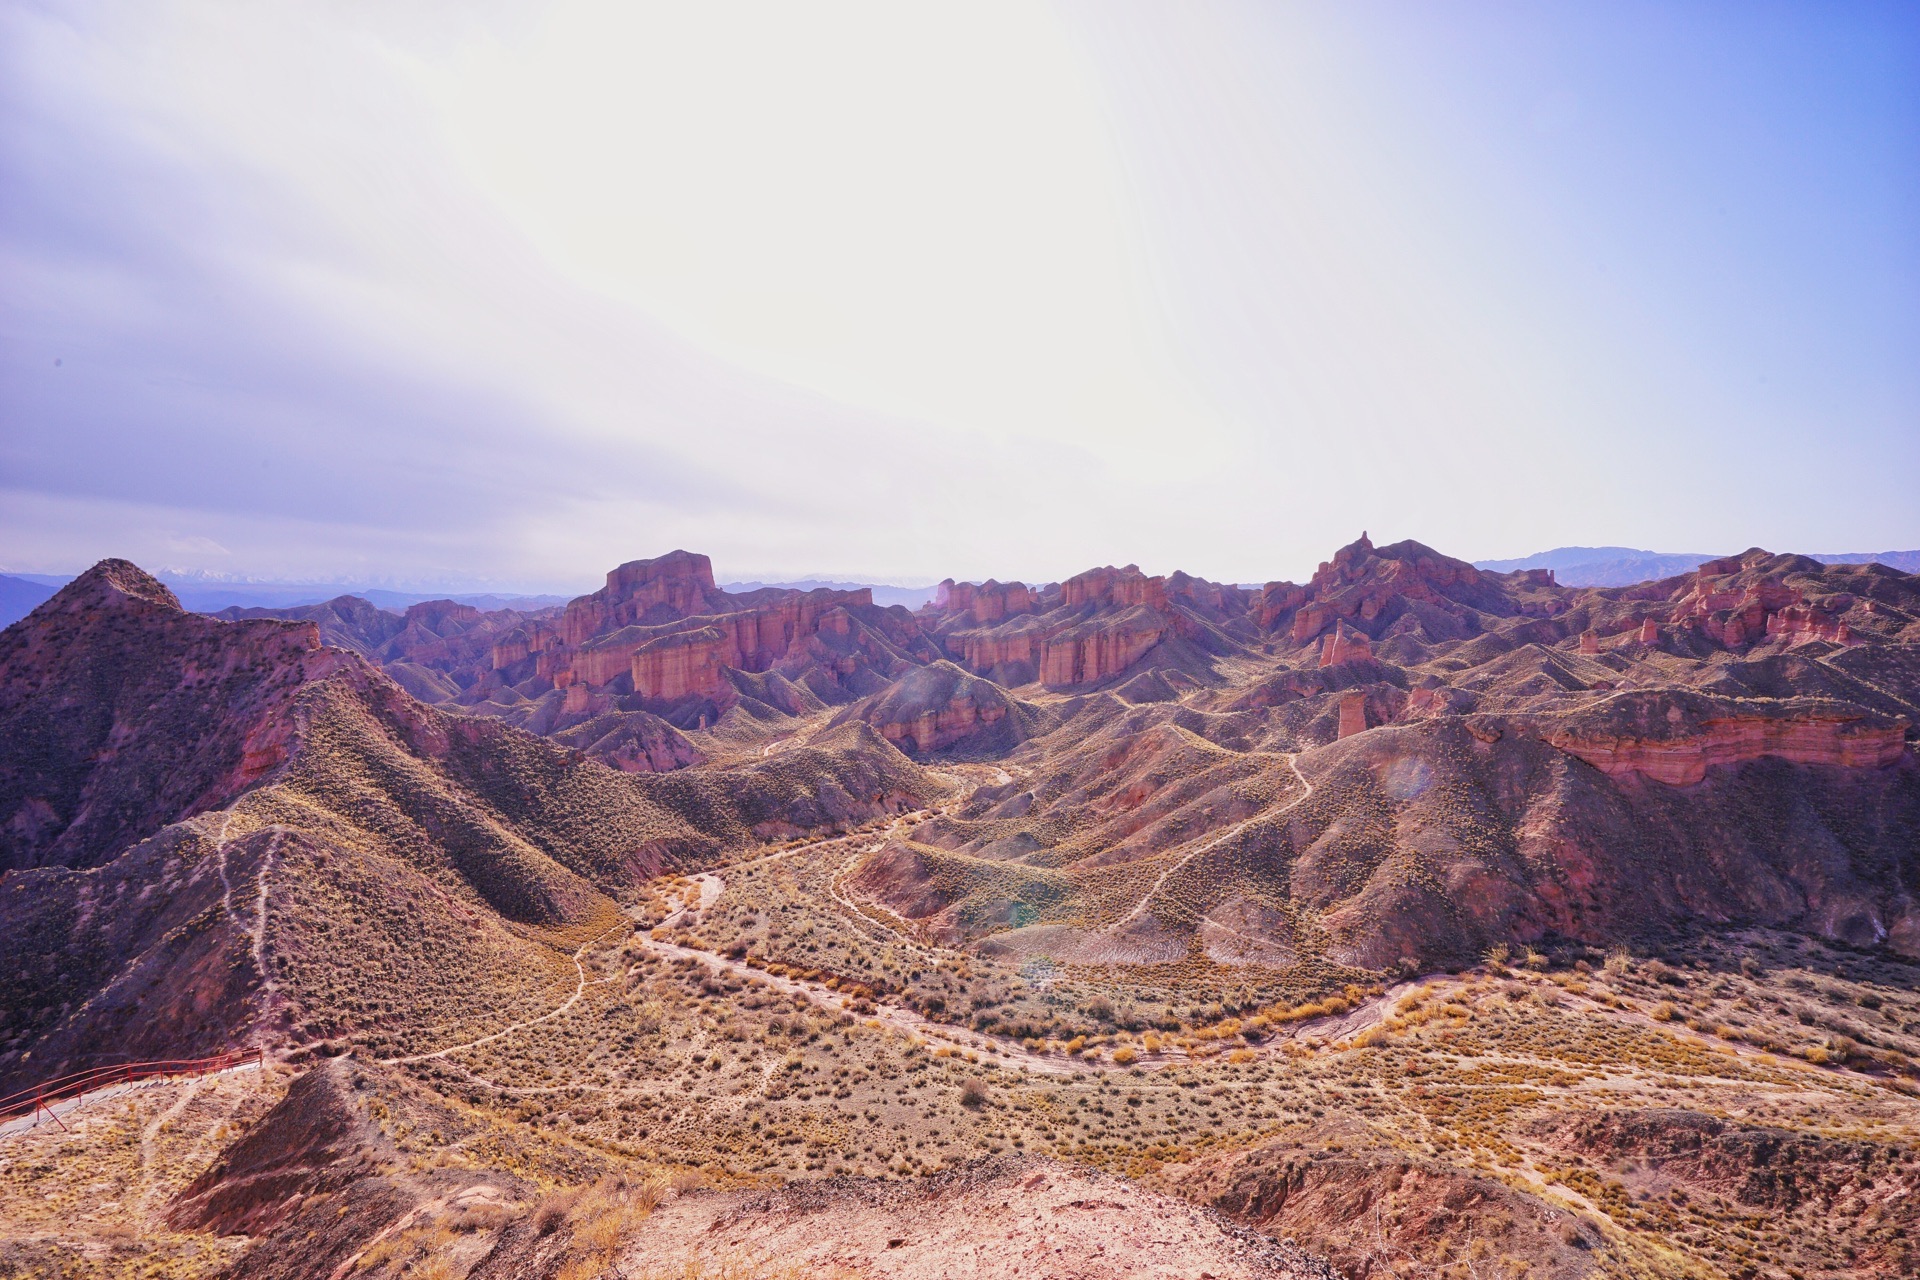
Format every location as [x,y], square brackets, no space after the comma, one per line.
[1020,1219]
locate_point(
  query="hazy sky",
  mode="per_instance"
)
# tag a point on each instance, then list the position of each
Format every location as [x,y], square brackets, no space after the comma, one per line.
[491,293]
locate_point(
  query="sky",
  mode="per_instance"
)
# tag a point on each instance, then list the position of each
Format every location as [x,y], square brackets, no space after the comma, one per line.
[491,295]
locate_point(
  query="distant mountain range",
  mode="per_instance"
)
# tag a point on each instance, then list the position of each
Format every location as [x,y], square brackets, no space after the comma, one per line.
[1624,566]
[21,593]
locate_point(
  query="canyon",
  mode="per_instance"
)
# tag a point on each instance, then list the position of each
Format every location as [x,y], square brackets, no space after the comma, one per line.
[730,911]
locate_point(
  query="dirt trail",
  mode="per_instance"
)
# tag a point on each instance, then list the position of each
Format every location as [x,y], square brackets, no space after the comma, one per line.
[578,989]
[1004,1051]
[899,1018]
[269,988]
[1216,842]
[153,1129]
[226,883]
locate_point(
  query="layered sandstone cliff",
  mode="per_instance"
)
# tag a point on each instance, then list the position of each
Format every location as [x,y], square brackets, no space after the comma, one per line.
[1089,630]
[661,635]
[1675,739]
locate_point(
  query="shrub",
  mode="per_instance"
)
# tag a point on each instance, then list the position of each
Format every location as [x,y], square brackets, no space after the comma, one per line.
[1666,974]
[973,1094]
[553,1211]
[1124,1056]
[482,1217]
[1663,1012]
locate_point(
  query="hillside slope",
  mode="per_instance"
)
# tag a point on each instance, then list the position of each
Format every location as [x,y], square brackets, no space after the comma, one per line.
[219,831]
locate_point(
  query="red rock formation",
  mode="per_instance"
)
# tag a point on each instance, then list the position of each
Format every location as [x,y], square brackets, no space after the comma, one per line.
[125,712]
[677,658]
[1800,623]
[984,652]
[1111,586]
[1344,644]
[986,603]
[524,642]
[1353,713]
[1089,654]
[672,666]
[1309,622]
[1091,628]
[1278,599]
[1372,587]
[1649,632]
[1589,641]
[676,585]
[1841,738]
[1218,601]
[1756,605]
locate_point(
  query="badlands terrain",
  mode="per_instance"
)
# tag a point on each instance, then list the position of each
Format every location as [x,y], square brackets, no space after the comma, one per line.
[1416,920]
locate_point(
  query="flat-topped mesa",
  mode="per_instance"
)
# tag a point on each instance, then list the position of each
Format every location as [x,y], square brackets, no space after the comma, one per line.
[640,592]
[984,603]
[662,625]
[676,658]
[1108,585]
[1090,628]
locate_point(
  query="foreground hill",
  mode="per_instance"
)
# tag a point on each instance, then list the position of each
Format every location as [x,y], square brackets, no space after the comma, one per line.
[329,854]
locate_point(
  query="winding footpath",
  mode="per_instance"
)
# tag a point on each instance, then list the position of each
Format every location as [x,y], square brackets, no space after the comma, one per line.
[1003,1051]
[1159,884]
[579,989]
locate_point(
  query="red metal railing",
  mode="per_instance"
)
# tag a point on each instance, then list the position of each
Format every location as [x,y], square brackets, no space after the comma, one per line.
[47,1092]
